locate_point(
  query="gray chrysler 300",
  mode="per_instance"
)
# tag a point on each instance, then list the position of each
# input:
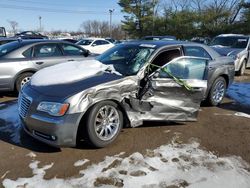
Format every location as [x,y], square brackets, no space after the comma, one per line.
[93,99]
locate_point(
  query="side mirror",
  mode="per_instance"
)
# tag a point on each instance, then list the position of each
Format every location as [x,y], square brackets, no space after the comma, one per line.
[86,53]
[93,45]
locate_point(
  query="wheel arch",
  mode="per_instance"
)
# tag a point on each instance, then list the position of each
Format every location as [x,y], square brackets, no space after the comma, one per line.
[20,73]
[82,119]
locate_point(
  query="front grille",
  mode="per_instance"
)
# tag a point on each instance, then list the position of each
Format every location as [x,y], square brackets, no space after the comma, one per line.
[24,103]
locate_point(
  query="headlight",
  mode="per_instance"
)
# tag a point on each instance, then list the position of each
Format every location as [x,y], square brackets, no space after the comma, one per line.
[52,108]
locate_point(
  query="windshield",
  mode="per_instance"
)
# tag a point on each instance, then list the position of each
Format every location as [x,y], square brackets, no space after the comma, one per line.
[127,59]
[84,42]
[9,47]
[231,42]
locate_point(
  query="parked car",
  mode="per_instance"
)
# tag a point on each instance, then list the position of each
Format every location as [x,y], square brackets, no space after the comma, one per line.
[236,46]
[7,40]
[166,37]
[19,60]
[95,45]
[130,83]
[110,40]
[202,40]
[30,35]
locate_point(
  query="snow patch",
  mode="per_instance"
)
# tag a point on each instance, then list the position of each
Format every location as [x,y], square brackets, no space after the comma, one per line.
[240,92]
[31,154]
[181,165]
[241,114]
[10,122]
[69,72]
[81,162]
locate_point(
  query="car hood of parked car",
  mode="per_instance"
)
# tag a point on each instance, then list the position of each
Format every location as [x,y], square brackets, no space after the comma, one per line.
[66,79]
[225,51]
[66,90]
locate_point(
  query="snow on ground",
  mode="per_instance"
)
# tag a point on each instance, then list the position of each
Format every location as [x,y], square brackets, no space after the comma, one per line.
[179,165]
[81,162]
[240,92]
[31,154]
[240,114]
[10,122]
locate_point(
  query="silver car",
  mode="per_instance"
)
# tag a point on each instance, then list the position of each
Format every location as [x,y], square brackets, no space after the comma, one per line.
[137,81]
[234,45]
[19,60]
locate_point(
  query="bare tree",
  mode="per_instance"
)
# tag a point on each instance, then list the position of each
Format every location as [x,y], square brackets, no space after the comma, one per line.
[86,27]
[96,28]
[13,25]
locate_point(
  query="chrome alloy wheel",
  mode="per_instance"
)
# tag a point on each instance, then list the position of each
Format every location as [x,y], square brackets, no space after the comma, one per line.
[219,91]
[107,122]
[25,81]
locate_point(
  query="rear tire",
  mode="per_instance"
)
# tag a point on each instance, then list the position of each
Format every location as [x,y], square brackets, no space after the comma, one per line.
[22,80]
[103,124]
[217,92]
[242,69]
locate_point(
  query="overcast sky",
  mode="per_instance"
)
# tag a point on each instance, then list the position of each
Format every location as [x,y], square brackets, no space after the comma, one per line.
[56,14]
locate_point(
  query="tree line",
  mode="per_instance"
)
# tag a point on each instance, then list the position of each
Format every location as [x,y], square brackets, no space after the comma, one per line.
[185,18]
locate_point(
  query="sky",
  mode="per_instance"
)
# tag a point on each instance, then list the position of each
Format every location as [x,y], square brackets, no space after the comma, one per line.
[57,14]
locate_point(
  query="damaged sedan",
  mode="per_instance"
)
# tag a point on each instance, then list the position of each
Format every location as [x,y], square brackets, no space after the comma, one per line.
[93,99]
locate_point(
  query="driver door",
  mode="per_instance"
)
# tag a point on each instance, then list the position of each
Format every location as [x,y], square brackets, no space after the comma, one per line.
[175,90]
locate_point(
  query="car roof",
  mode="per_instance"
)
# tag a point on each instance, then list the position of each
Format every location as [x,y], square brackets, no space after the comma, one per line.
[24,42]
[161,36]
[165,43]
[232,35]
[92,38]
[161,43]
[8,39]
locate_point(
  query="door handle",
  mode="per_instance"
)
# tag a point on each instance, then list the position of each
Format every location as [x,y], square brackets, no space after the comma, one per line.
[39,63]
[197,89]
[71,60]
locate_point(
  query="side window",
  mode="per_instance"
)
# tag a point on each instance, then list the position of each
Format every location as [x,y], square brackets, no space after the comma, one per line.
[98,42]
[196,52]
[104,42]
[47,50]
[184,68]
[72,50]
[28,53]
[163,58]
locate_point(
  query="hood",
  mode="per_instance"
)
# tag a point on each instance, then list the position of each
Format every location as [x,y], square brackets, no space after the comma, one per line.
[66,79]
[68,89]
[225,51]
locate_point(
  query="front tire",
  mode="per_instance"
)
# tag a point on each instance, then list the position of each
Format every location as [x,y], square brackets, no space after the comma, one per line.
[103,124]
[217,92]
[22,80]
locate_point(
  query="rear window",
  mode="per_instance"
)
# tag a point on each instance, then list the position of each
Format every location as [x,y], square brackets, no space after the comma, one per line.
[9,47]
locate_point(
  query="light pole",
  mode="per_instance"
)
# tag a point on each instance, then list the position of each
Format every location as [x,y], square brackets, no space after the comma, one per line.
[110,21]
[40,23]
